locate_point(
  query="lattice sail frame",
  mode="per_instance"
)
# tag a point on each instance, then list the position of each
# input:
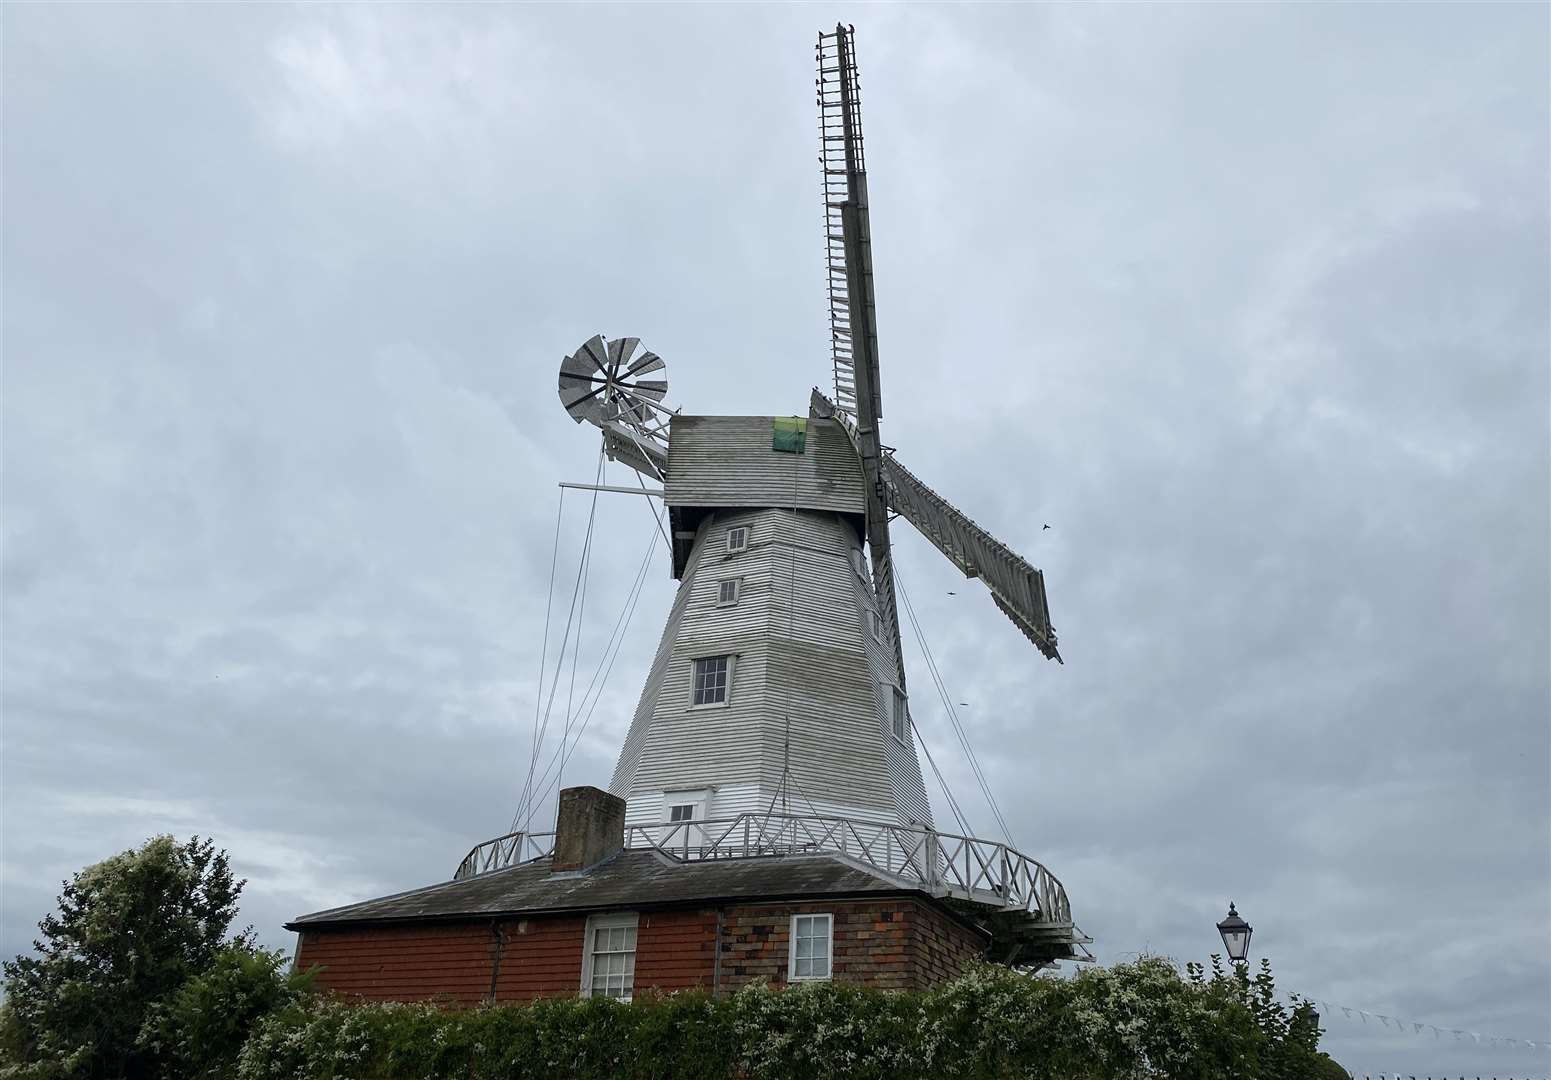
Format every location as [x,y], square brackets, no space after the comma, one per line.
[848,265]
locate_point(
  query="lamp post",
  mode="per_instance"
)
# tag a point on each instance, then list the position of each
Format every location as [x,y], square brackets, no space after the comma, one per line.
[1235,935]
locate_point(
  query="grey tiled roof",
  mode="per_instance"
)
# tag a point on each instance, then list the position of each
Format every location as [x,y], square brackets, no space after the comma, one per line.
[629,879]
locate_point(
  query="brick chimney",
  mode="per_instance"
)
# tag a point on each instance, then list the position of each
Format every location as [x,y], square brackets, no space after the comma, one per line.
[589,828]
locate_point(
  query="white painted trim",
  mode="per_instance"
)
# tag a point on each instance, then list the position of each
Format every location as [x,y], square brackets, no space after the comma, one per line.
[737,591]
[594,922]
[748,534]
[732,668]
[829,948]
[899,705]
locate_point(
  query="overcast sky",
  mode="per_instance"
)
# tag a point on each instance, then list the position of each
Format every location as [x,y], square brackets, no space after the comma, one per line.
[1249,303]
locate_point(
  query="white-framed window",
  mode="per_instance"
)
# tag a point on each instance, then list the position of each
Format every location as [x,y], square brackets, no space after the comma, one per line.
[738,538]
[727,591]
[608,956]
[859,563]
[812,938]
[875,624]
[685,804]
[901,717]
[712,681]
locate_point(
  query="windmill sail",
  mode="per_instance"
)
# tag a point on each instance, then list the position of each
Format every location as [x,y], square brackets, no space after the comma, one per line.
[1017,587]
[852,311]
[847,231]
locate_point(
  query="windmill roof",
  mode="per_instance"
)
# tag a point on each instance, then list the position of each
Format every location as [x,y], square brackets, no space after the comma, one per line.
[630,879]
[733,461]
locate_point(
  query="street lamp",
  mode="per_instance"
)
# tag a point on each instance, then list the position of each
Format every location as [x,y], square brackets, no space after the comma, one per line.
[1235,935]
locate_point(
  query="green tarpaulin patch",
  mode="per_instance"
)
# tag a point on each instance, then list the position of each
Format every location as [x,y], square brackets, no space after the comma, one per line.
[789,434]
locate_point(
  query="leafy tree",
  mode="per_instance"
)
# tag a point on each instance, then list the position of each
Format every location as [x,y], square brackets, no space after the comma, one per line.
[111,982]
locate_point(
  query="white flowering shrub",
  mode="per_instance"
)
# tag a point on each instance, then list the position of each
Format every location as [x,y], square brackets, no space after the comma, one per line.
[1131,1021]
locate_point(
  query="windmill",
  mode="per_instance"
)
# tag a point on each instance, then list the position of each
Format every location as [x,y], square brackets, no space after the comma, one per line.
[767,817]
[780,679]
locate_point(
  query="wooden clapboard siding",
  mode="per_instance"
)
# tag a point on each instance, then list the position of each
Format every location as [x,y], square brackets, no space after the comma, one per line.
[804,650]
[728,461]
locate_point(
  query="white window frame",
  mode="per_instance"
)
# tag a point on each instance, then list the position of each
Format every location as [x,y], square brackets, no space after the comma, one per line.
[829,948]
[737,591]
[875,624]
[859,564]
[733,533]
[627,919]
[697,799]
[732,668]
[900,706]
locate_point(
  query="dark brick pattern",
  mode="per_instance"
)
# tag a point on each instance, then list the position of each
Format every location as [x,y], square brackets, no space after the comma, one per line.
[892,944]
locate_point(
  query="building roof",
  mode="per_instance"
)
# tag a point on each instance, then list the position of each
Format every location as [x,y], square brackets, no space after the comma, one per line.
[731,462]
[630,879]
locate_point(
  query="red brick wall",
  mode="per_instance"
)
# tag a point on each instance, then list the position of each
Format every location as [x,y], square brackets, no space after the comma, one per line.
[540,957]
[675,950]
[891,944]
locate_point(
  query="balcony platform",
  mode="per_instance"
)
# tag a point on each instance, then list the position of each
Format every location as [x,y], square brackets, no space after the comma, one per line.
[1014,897]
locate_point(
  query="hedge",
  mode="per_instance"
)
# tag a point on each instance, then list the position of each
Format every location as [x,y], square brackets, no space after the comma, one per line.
[1135,1020]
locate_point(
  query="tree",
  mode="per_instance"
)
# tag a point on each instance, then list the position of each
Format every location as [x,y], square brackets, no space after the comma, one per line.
[130,934]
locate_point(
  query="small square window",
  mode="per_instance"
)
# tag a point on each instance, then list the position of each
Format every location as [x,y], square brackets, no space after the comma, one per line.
[608,958]
[682,812]
[713,674]
[810,950]
[727,591]
[901,718]
[738,538]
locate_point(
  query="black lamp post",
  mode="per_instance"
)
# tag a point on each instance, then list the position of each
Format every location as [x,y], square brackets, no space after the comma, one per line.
[1235,935]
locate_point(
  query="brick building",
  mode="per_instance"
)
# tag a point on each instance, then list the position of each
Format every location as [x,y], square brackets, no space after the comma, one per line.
[597,918]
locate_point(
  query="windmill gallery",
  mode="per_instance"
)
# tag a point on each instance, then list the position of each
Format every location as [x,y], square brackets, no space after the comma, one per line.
[767,817]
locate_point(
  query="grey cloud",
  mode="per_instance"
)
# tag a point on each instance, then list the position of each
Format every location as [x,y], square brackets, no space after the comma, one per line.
[1250,304]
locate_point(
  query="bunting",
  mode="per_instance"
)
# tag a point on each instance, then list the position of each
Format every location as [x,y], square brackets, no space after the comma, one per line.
[1417,1027]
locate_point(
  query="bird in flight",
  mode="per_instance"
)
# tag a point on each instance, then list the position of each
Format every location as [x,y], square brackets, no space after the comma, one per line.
[952,593]
[1046,527]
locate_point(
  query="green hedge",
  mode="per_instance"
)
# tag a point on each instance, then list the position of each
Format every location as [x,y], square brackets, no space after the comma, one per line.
[1134,1020]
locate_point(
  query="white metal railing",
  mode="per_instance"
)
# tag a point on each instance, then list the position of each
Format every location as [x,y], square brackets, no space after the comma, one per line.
[943,864]
[504,851]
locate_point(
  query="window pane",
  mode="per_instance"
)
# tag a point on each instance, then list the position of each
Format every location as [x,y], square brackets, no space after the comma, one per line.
[802,968]
[821,968]
[804,948]
[710,680]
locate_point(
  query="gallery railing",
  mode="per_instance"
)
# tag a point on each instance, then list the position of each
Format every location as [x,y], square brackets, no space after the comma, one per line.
[942,864]
[504,851]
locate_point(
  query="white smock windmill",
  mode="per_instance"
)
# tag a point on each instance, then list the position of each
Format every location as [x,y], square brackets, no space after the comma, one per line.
[775,715]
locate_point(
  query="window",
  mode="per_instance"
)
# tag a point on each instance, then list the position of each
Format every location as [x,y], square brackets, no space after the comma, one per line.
[681,812]
[901,718]
[738,538]
[712,676]
[875,623]
[859,563]
[608,959]
[727,591]
[810,947]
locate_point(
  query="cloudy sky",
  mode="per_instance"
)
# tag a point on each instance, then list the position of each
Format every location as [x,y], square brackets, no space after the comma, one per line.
[1249,303]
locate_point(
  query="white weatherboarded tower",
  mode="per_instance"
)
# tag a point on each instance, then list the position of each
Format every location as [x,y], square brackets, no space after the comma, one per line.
[779,684]
[776,684]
